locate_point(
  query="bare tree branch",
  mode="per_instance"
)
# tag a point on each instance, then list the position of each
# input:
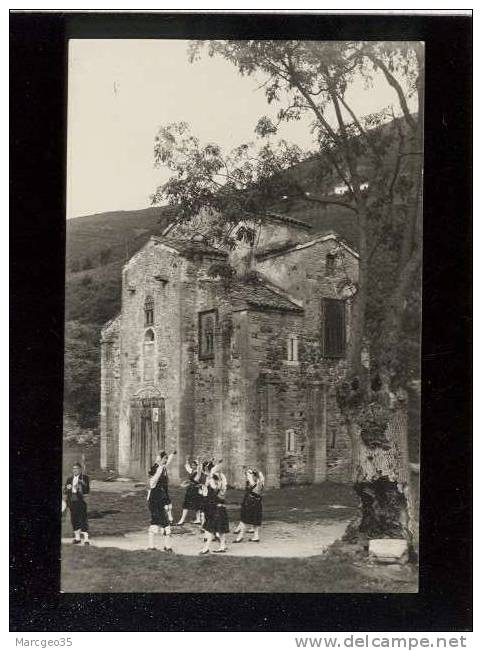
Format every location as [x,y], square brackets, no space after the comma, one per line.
[360,128]
[397,87]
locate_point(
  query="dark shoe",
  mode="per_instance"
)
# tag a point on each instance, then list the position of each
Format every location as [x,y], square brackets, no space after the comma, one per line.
[152,549]
[252,540]
[76,542]
[168,550]
[86,543]
[238,541]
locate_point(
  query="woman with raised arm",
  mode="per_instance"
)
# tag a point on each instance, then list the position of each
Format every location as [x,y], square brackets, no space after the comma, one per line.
[252,505]
[217,521]
[205,468]
[159,501]
[192,497]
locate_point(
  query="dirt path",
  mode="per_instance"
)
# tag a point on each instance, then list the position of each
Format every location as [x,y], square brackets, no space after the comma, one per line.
[279,539]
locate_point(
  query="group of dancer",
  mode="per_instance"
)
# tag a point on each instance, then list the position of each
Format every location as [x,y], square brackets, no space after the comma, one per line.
[206,488]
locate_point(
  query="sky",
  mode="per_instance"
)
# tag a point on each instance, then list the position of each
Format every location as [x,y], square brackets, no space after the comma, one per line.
[122,91]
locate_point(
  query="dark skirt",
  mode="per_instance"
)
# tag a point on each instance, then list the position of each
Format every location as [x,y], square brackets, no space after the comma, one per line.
[158,512]
[251,510]
[160,495]
[217,520]
[78,515]
[202,503]
[191,498]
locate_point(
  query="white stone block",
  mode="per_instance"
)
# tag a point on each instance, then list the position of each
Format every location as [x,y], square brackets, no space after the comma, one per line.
[388,550]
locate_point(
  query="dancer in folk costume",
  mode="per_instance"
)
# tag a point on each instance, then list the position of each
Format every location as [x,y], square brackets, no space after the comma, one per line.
[205,467]
[164,460]
[192,497]
[76,488]
[159,501]
[252,505]
[217,521]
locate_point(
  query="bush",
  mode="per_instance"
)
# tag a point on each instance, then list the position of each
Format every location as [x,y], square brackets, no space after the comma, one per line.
[82,373]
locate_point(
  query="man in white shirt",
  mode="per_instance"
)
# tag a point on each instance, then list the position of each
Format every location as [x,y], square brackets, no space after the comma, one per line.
[76,487]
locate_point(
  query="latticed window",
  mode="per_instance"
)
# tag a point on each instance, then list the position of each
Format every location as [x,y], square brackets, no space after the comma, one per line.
[292,352]
[148,355]
[290,440]
[333,328]
[330,264]
[149,311]
[207,324]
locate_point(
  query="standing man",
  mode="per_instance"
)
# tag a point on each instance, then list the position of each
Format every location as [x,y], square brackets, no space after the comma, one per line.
[75,489]
[159,501]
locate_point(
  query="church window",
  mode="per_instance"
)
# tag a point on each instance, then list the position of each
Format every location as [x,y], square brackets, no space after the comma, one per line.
[330,264]
[292,352]
[290,441]
[149,311]
[333,328]
[207,324]
[148,355]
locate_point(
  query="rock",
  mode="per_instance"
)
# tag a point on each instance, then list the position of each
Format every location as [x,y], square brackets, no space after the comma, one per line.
[388,550]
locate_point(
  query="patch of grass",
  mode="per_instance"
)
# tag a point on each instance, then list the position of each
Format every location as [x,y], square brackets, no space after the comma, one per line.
[124,512]
[114,570]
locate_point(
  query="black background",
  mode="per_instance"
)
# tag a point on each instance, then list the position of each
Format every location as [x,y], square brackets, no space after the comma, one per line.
[37,237]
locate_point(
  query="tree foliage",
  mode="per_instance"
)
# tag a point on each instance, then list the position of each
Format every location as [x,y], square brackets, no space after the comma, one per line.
[82,373]
[238,185]
[376,159]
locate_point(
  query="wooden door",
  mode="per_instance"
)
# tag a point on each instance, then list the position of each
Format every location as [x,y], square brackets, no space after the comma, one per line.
[147,433]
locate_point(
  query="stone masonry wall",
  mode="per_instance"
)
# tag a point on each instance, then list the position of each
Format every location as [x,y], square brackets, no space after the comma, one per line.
[240,404]
[302,399]
[109,394]
[302,273]
[155,271]
[218,384]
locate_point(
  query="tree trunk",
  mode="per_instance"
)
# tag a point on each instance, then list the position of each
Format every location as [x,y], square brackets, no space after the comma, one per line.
[376,417]
[381,478]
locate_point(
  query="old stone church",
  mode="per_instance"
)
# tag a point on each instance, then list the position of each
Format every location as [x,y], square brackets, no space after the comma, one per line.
[242,369]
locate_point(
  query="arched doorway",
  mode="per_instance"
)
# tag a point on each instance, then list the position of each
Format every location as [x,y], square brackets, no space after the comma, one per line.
[148,431]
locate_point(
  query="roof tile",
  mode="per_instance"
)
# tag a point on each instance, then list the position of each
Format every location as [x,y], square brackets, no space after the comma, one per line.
[254,293]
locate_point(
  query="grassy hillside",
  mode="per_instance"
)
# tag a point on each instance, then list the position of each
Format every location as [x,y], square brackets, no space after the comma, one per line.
[97,247]
[120,232]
